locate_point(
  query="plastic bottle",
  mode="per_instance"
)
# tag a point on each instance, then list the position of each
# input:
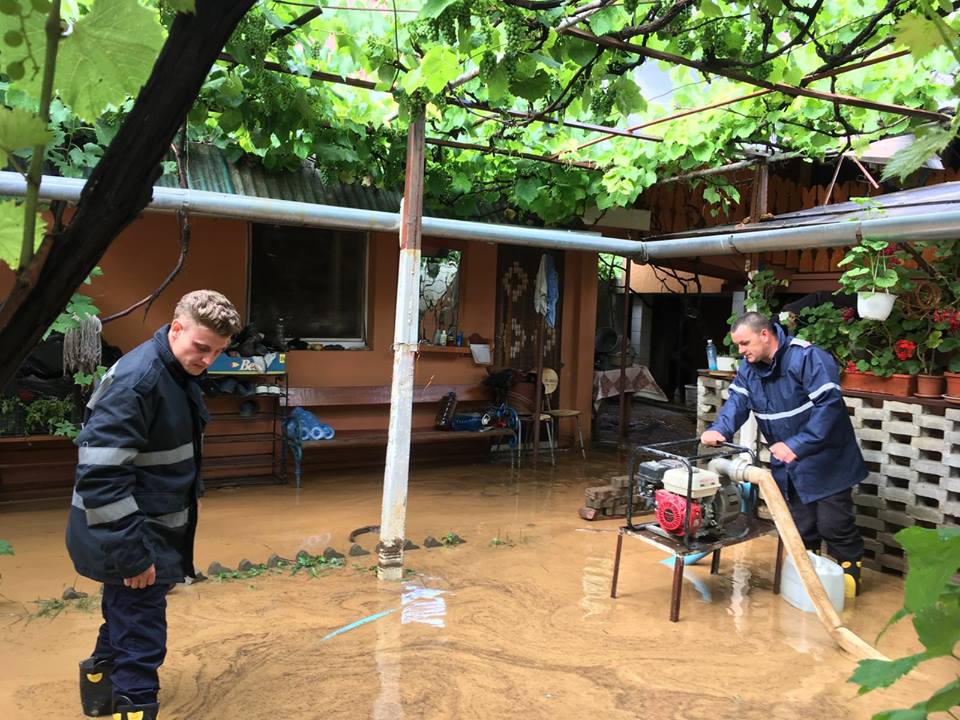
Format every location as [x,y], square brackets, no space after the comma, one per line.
[711,355]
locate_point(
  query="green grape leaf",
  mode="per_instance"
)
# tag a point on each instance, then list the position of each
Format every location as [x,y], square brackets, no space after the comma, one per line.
[918,34]
[20,128]
[531,88]
[108,56]
[605,20]
[433,8]
[938,627]
[917,712]
[873,674]
[11,233]
[184,6]
[927,144]
[945,698]
[627,96]
[934,557]
[527,190]
[497,84]
[440,65]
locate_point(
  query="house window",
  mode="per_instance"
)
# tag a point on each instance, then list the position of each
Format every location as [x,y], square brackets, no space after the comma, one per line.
[439,292]
[310,281]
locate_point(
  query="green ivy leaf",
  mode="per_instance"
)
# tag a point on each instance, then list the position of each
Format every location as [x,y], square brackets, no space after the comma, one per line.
[20,128]
[873,674]
[934,557]
[108,56]
[11,233]
[918,34]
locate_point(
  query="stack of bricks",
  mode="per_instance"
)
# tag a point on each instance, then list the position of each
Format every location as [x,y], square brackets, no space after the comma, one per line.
[608,501]
[912,451]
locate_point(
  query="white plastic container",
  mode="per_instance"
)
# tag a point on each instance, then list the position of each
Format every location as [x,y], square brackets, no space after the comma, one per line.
[830,574]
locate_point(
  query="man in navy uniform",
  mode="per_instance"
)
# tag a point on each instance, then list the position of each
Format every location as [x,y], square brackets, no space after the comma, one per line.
[134,509]
[793,389]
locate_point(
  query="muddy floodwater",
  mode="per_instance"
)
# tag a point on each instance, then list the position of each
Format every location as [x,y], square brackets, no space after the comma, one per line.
[516,623]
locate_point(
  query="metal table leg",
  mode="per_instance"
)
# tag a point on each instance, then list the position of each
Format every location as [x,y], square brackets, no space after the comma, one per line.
[677,588]
[715,563]
[616,565]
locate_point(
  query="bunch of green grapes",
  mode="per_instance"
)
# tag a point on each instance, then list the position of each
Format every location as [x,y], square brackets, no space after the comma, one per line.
[601,104]
[253,34]
[488,63]
[515,26]
[422,32]
[508,63]
[630,6]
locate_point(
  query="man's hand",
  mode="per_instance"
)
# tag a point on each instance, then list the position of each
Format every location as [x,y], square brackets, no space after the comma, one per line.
[783,453]
[712,437]
[145,579]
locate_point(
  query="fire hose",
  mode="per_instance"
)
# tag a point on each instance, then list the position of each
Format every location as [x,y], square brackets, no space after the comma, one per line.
[740,470]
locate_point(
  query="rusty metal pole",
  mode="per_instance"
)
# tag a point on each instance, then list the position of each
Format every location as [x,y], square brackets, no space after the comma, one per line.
[393,514]
[625,404]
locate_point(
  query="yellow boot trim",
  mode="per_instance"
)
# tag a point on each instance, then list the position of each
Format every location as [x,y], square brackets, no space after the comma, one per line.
[135,715]
[94,677]
[849,587]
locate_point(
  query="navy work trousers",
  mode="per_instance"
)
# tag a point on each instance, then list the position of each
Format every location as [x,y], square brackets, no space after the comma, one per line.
[831,519]
[133,637]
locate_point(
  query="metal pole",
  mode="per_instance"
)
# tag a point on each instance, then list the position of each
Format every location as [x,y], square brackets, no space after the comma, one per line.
[624,399]
[393,514]
[538,401]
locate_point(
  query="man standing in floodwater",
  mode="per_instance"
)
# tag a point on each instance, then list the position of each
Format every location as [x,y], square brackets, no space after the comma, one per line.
[793,388]
[134,510]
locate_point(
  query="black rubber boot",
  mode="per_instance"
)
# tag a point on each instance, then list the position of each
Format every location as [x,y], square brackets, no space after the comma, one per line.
[96,688]
[851,578]
[124,709]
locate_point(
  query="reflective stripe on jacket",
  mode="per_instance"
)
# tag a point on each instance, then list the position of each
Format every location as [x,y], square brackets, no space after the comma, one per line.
[797,401]
[138,470]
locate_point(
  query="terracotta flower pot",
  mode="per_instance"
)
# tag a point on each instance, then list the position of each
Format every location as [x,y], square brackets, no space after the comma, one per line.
[900,385]
[929,386]
[953,384]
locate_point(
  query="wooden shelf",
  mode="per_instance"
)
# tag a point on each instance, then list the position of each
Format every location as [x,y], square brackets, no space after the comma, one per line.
[449,349]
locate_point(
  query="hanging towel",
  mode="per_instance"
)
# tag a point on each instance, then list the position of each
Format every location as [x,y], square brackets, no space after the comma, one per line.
[547,289]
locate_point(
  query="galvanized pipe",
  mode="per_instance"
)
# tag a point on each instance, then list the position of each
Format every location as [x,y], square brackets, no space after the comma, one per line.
[939,226]
[287,212]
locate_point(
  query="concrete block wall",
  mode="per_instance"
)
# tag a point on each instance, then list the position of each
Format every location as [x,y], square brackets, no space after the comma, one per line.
[913,454]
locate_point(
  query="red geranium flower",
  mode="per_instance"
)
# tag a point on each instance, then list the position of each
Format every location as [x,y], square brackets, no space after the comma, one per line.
[889,250]
[848,314]
[851,367]
[904,349]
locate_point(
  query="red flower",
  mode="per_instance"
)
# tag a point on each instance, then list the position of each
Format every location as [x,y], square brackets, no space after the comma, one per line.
[895,261]
[848,314]
[904,349]
[851,367]
[889,250]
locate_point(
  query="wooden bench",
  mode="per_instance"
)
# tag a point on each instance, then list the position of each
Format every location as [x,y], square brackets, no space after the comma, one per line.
[474,396]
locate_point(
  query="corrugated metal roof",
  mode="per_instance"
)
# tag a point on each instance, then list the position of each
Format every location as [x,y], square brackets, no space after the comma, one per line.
[929,200]
[210,169]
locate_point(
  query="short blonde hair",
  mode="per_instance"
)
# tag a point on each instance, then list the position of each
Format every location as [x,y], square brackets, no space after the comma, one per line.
[210,309]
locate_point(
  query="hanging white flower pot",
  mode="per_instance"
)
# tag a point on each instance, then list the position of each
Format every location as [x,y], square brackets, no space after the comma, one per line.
[875,305]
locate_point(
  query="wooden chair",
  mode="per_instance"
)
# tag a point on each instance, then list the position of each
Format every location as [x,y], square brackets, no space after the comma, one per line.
[550,382]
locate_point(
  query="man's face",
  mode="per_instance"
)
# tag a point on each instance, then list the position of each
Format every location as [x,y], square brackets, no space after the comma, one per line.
[754,346]
[194,346]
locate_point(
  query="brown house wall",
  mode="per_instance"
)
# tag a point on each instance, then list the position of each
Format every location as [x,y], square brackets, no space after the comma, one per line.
[144,253]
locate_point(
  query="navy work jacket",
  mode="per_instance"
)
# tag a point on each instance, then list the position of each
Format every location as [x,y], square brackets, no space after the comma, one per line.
[797,401]
[138,470]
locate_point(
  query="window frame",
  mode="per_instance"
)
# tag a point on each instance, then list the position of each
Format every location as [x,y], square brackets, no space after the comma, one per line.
[361,342]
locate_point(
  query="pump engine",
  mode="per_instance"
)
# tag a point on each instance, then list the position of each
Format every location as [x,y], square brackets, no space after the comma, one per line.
[714,500]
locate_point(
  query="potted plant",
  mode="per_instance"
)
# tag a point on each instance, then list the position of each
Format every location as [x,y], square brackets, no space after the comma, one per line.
[827,327]
[881,359]
[11,416]
[874,270]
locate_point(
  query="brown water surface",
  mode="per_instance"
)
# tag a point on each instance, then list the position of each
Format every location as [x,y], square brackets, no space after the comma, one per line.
[522,629]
